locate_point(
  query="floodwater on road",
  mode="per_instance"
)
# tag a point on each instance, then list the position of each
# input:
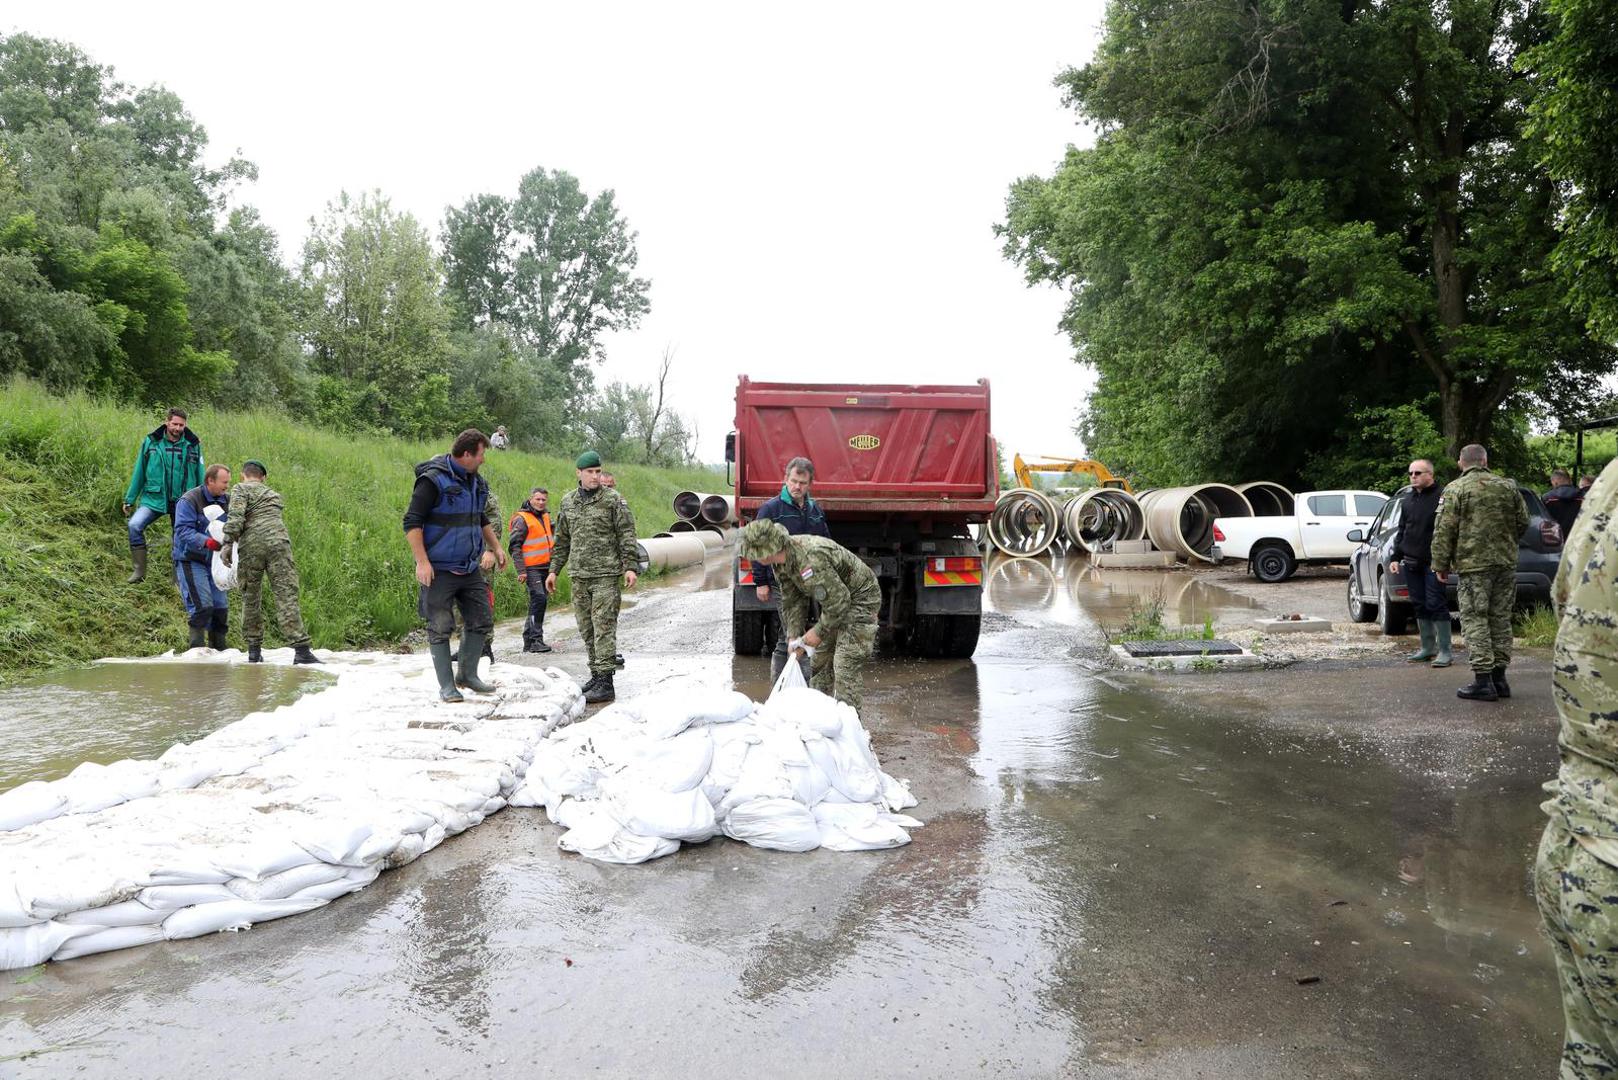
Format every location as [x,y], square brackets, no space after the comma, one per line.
[1264,875]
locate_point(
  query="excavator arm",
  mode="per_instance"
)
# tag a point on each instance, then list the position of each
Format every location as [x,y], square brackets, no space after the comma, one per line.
[1025,471]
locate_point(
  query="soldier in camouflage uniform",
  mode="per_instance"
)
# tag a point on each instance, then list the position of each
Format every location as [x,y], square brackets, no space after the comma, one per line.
[1481,518]
[1576,875]
[260,546]
[594,528]
[819,570]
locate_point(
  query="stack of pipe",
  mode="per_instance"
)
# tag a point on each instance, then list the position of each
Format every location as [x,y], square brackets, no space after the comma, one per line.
[1181,519]
[1269,499]
[1025,522]
[698,510]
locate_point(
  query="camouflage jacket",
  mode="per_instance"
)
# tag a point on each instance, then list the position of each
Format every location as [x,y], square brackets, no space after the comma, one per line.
[254,523]
[1481,518]
[821,570]
[1584,795]
[596,530]
[491,518]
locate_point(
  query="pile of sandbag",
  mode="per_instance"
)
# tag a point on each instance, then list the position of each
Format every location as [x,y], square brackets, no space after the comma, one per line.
[270,816]
[687,764]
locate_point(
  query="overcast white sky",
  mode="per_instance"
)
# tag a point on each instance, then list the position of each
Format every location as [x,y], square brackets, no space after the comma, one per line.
[814,187]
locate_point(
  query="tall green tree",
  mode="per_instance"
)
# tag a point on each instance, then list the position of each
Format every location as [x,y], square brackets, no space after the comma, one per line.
[374,321]
[1299,219]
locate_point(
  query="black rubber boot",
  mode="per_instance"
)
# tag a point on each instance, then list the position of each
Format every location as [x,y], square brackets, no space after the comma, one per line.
[1482,689]
[198,635]
[445,670]
[255,653]
[303,654]
[617,659]
[216,638]
[1502,689]
[488,650]
[138,557]
[601,691]
[467,676]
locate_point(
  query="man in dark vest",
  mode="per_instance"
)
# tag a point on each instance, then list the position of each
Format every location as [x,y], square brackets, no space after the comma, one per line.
[532,538]
[451,543]
[799,515]
[1563,501]
[206,605]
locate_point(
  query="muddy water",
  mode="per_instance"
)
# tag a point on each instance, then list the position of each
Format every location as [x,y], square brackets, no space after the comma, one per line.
[107,712]
[1118,878]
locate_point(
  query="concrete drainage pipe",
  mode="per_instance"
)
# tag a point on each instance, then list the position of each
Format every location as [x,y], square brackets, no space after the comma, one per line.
[688,504]
[719,509]
[682,526]
[670,553]
[1181,519]
[1101,516]
[1024,522]
[1269,499]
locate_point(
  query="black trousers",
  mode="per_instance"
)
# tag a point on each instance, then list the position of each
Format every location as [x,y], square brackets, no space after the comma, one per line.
[533,631]
[437,603]
[1427,594]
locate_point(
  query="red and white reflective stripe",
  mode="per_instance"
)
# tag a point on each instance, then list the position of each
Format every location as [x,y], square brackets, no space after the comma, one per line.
[953,570]
[744,572]
[957,563]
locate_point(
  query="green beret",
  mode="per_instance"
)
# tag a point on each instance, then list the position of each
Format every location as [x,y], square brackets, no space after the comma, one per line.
[762,538]
[259,465]
[588,460]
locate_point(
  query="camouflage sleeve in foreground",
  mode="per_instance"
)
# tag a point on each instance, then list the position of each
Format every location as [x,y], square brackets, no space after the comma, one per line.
[236,520]
[562,540]
[794,608]
[830,592]
[1585,674]
[1445,527]
[491,514]
[628,548]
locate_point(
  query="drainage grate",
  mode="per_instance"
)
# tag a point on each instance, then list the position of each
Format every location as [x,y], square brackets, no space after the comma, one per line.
[1193,647]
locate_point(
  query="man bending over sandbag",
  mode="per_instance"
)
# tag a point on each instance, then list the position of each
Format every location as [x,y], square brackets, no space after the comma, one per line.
[820,570]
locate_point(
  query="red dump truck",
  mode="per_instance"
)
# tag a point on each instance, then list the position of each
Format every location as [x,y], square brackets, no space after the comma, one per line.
[901,472]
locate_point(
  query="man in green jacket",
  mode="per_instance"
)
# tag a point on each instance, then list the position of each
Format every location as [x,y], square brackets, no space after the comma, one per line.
[595,528]
[819,570]
[256,538]
[169,465]
[1481,518]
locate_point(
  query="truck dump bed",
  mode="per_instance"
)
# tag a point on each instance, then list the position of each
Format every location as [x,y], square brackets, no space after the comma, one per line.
[878,449]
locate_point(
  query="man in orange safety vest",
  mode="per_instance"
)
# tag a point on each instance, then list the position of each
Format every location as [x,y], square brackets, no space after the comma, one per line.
[530,547]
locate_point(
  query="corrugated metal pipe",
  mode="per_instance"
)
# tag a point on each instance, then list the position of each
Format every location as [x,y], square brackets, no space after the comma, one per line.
[1099,517]
[1024,522]
[1181,519]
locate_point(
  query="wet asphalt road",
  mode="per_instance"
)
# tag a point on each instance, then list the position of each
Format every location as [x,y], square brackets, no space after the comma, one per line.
[1121,876]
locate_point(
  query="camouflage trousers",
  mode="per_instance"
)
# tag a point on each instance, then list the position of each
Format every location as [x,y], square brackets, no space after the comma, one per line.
[838,667]
[1578,900]
[1487,599]
[274,562]
[595,609]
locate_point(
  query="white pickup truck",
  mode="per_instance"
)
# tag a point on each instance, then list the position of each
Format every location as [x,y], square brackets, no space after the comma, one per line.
[1316,532]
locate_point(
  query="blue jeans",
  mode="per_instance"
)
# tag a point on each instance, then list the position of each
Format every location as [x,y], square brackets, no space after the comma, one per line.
[1428,595]
[205,603]
[138,521]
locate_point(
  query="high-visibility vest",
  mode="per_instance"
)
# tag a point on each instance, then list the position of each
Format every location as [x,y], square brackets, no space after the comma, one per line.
[536,545]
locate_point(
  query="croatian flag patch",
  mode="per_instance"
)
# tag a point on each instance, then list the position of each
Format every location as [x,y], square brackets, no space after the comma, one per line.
[808,572]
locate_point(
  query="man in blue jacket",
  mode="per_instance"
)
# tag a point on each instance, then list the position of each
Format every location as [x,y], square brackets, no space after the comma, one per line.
[452,540]
[206,606]
[800,515]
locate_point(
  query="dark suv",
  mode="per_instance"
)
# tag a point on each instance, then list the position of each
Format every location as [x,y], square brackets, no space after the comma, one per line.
[1376,592]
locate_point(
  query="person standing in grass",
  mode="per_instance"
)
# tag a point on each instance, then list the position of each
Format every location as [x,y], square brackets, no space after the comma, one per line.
[169,465]
[596,530]
[256,538]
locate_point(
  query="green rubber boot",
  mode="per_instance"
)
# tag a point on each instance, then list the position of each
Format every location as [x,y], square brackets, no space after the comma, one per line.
[444,668]
[1442,630]
[1425,628]
[471,653]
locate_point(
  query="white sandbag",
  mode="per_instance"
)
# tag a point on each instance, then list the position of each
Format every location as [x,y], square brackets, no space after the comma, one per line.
[29,803]
[267,858]
[777,824]
[109,939]
[233,914]
[625,848]
[175,897]
[224,575]
[352,881]
[858,827]
[408,851]
[195,873]
[25,946]
[334,841]
[127,913]
[287,882]
[678,815]
[676,764]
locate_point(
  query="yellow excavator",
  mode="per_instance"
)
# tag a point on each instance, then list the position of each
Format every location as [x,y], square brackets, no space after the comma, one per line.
[1104,477]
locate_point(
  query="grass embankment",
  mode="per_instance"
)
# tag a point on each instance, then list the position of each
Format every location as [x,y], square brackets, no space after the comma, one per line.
[64,547]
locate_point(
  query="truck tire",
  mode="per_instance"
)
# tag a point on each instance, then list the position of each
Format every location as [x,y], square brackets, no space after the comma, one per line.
[747,632]
[1272,563]
[945,637]
[1392,618]
[1358,610]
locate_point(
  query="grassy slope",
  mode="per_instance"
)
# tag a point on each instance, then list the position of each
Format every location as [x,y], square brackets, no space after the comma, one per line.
[64,554]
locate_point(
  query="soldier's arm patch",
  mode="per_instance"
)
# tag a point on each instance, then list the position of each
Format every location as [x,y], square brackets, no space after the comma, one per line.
[807,573]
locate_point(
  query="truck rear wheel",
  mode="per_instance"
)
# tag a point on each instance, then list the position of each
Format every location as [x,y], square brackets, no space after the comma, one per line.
[747,631]
[945,637]
[1272,563]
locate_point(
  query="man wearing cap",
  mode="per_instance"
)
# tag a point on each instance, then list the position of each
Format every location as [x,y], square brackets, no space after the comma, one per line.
[595,528]
[532,538]
[451,541]
[819,570]
[256,539]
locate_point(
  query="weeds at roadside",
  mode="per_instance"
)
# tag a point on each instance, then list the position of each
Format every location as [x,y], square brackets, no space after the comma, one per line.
[1145,623]
[1536,627]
